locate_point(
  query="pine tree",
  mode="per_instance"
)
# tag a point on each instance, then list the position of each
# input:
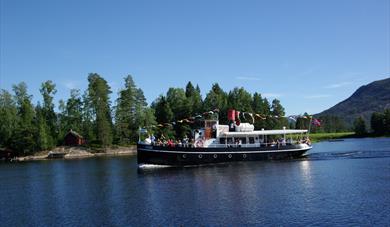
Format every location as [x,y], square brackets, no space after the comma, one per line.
[71,114]
[8,118]
[131,113]
[278,119]
[88,119]
[42,130]
[386,125]
[260,106]
[98,94]
[216,98]
[48,90]
[74,111]
[164,116]
[240,100]
[23,140]
[377,123]
[180,106]
[360,126]
[194,98]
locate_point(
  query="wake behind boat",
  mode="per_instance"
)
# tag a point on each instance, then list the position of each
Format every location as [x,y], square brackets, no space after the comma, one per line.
[216,143]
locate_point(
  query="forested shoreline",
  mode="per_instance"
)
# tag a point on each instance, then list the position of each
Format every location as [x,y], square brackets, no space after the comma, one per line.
[26,128]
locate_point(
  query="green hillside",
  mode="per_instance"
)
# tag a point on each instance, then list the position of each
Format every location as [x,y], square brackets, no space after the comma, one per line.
[363,102]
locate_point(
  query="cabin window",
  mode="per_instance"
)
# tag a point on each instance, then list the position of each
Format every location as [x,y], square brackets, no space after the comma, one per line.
[230,140]
[222,140]
[251,140]
[238,139]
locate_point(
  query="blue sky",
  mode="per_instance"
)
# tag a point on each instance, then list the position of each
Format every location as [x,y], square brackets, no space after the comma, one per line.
[309,54]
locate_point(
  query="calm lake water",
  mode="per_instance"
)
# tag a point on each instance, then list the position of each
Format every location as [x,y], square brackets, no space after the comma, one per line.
[338,183]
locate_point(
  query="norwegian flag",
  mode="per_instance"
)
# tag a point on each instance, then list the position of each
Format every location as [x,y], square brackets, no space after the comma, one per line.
[316,122]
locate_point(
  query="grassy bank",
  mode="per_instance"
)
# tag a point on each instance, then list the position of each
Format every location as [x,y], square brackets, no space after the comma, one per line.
[316,137]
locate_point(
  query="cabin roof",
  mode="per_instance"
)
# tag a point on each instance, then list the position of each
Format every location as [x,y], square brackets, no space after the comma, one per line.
[71,132]
[265,132]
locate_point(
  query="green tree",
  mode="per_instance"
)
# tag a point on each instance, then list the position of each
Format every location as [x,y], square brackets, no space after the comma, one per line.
[8,118]
[164,116]
[23,140]
[216,98]
[377,123]
[380,122]
[177,100]
[98,93]
[303,122]
[194,98]
[74,113]
[71,114]
[360,126]
[278,120]
[131,113]
[148,119]
[88,118]
[42,131]
[163,111]
[48,90]
[331,123]
[260,106]
[240,99]
[386,125]
[180,106]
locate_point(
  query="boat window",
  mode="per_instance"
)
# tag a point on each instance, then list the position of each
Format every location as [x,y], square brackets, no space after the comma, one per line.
[230,140]
[222,140]
[243,140]
[251,140]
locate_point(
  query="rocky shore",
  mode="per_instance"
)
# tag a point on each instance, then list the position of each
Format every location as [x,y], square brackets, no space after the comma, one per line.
[78,153]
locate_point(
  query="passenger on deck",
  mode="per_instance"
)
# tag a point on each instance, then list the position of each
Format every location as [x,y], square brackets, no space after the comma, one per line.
[170,143]
[185,141]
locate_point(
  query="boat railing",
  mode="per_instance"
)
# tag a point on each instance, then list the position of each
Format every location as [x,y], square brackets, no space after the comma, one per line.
[248,145]
[236,145]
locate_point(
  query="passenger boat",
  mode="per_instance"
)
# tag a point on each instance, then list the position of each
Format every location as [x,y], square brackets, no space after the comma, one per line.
[215,143]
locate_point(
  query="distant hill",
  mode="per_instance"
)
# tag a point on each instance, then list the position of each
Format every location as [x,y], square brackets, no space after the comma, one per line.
[363,102]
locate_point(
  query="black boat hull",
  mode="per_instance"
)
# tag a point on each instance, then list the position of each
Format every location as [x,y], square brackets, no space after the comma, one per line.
[182,156]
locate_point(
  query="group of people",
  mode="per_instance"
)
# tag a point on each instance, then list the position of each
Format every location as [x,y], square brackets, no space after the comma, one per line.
[185,142]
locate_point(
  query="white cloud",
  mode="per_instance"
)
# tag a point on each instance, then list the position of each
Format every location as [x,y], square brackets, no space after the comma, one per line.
[272,95]
[248,78]
[319,96]
[71,84]
[338,85]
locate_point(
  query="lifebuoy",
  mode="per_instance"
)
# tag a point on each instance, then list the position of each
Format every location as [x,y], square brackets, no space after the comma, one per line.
[199,156]
[244,155]
[215,155]
[230,155]
[184,156]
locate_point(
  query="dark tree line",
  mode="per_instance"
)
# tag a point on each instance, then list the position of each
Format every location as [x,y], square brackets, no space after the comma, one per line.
[27,128]
[380,124]
[181,103]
